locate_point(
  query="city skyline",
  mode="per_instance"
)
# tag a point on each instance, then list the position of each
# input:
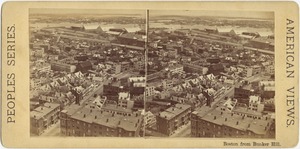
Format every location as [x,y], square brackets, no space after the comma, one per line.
[201,80]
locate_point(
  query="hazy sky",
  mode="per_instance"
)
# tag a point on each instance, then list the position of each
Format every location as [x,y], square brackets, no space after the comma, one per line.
[86,11]
[244,14]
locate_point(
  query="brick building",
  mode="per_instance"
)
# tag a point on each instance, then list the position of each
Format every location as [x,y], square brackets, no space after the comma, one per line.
[172,118]
[58,66]
[87,121]
[167,84]
[194,68]
[132,39]
[43,116]
[206,122]
[116,68]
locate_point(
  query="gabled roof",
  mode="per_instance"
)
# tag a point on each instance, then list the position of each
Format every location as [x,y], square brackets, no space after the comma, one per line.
[92,26]
[133,29]
[225,30]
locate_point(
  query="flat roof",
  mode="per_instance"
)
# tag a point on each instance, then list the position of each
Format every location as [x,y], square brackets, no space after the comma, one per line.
[43,110]
[116,108]
[126,122]
[174,111]
[226,118]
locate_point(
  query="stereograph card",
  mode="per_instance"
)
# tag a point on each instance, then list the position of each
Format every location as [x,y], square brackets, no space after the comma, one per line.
[150,74]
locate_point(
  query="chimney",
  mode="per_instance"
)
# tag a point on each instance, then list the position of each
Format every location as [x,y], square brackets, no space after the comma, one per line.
[208,102]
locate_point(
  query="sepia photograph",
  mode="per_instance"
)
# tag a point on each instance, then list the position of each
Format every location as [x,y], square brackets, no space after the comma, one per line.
[87,72]
[210,74]
[150,74]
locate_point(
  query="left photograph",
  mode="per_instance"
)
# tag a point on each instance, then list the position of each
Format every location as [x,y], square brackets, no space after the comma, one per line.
[87,72]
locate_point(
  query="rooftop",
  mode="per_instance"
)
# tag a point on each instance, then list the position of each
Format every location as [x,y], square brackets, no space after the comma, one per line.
[244,123]
[245,110]
[108,119]
[133,36]
[116,108]
[91,26]
[264,40]
[174,111]
[43,110]
[254,99]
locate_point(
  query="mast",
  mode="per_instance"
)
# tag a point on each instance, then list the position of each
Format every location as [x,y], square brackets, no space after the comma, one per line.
[146,66]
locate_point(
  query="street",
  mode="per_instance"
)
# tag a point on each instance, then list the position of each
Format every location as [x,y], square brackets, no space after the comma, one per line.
[98,90]
[53,130]
[183,131]
[228,93]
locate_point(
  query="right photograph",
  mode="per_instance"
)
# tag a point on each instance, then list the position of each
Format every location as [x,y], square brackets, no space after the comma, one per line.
[210,74]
